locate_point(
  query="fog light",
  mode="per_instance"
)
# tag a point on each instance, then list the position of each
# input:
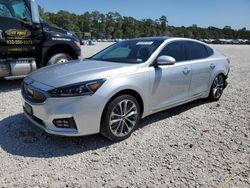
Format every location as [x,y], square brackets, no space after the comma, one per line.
[68,123]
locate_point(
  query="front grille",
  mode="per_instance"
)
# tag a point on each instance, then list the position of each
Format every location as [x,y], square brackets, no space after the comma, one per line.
[32,94]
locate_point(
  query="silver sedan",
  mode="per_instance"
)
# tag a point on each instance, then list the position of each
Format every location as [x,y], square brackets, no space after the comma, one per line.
[109,92]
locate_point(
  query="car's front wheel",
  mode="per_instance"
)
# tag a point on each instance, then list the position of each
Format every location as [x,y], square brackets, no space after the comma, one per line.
[120,118]
[217,88]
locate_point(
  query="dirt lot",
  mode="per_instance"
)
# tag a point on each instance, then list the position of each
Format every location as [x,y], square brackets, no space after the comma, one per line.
[170,149]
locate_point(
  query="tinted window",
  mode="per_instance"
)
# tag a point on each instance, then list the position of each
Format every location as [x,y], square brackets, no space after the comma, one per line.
[21,11]
[210,51]
[15,9]
[4,11]
[196,51]
[118,53]
[175,50]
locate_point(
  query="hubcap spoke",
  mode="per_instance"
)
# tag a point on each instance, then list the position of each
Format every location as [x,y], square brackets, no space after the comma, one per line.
[115,115]
[125,107]
[217,93]
[220,85]
[131,114]
[214,91]
[118,126]
[131,108]
[121,109]
[115,121]
[131,122]
[126,125]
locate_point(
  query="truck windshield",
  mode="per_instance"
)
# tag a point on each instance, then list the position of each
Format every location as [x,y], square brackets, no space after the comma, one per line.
[15,9]
[130,51]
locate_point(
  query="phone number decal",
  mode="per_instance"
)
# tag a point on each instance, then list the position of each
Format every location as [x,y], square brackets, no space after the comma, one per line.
[19,42]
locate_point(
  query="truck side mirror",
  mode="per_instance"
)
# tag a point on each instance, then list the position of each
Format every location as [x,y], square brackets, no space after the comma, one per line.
[34,12]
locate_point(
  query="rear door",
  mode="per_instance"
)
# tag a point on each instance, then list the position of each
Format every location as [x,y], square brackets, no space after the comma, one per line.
[171,82]
[18,37]
[202,67]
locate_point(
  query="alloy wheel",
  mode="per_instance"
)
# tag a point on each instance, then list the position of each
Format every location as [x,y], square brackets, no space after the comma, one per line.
[123,118]
[218,86]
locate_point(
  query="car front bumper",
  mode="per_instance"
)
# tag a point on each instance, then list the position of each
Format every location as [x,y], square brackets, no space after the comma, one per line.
[86,111]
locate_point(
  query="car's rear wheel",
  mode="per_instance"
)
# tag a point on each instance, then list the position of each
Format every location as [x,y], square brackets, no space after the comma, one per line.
[217,88]
[120,118]
[59,58]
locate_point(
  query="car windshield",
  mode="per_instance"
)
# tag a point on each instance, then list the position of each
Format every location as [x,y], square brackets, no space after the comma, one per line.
[130,51]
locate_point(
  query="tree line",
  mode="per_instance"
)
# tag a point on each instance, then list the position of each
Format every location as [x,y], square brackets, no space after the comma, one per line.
[115,26]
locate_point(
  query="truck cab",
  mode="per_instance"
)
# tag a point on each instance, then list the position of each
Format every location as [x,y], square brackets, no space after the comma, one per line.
[28,43]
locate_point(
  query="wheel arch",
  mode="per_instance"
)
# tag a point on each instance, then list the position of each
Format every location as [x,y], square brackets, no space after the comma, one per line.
[223,73]
[59,48]
[131,92]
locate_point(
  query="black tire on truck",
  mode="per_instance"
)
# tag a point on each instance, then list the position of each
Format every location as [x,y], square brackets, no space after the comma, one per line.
[59,58]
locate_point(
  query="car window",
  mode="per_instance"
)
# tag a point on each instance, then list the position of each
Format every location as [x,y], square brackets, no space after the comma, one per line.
[196,50]
[175,50]
[21,10]
[4,11]
[210,51]
[118,53]
[15,9]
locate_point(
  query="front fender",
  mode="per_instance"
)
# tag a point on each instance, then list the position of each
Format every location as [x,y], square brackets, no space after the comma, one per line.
[133,82]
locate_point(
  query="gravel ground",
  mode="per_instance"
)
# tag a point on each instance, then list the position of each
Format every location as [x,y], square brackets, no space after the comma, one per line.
[200,144]
[88,51]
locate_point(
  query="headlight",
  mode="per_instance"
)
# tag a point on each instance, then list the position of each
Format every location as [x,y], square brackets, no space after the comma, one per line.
[79,89]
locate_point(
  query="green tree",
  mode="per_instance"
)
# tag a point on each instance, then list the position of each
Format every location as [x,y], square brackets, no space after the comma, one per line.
[113,25]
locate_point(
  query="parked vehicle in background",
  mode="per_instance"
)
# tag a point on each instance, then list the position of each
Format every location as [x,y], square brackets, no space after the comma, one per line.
[28,43]
[111,91]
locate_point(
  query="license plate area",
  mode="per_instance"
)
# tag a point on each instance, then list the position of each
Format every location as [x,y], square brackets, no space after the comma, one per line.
[28,109]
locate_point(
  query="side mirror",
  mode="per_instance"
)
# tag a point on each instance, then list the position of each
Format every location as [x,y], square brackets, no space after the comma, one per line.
[165,60]
[34,12]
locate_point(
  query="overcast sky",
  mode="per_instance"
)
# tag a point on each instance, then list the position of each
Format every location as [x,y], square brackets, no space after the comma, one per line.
[204,13]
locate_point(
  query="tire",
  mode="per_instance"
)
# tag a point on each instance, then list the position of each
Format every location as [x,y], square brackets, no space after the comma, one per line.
[117,125]
[59,58]
[217,88]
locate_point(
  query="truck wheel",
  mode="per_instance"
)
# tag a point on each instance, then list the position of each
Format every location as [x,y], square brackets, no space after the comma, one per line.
[59,58]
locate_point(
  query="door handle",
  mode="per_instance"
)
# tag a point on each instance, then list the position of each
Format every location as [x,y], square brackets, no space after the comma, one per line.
[2,35]
[212,66]
[186,71]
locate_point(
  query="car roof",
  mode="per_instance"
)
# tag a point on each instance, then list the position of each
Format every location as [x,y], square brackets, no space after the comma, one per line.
[160,38]
[164,38]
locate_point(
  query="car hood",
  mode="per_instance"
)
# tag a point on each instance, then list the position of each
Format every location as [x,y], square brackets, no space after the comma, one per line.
[80,71]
